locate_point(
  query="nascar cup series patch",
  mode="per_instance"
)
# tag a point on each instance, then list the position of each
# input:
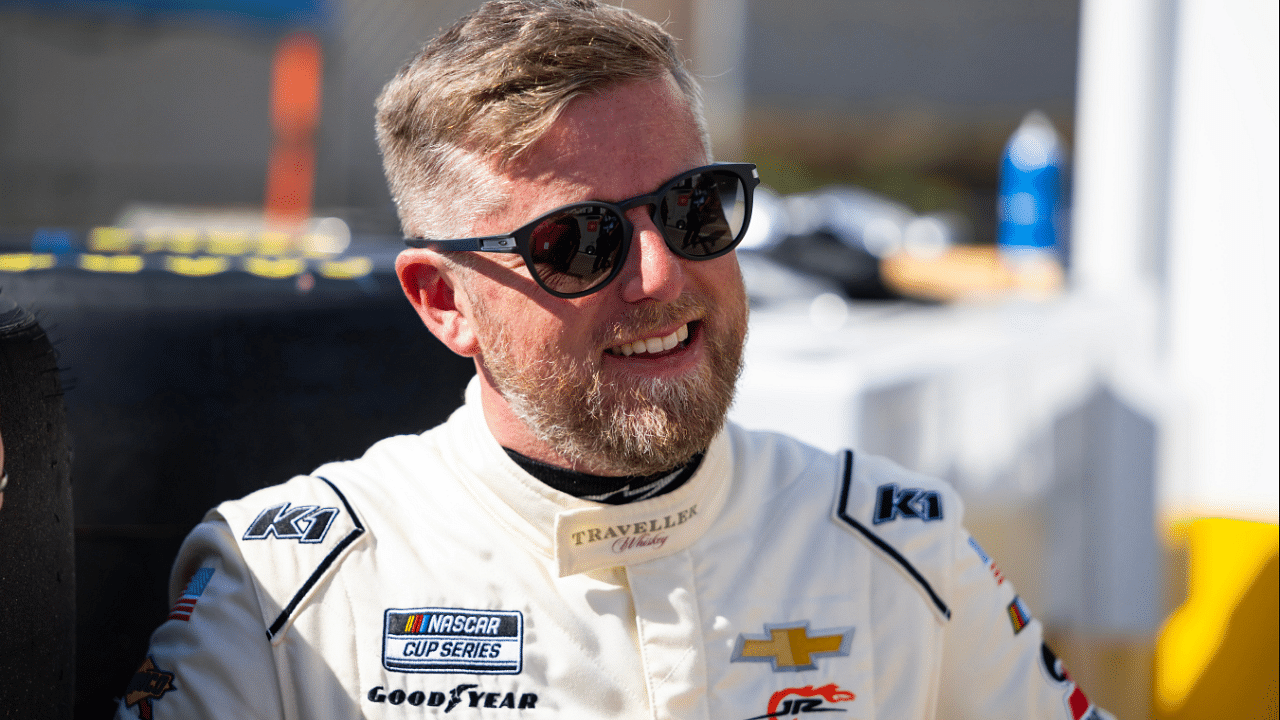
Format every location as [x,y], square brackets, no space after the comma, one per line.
[452,640]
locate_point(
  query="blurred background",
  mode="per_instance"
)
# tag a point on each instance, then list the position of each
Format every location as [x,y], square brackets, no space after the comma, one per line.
[1028,246]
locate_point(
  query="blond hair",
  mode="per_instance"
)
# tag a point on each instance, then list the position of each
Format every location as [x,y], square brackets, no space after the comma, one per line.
[479,95]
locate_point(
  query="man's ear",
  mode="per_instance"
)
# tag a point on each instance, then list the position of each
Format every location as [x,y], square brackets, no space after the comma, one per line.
[432,290]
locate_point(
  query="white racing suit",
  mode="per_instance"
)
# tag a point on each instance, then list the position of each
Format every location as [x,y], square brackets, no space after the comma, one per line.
[433,577]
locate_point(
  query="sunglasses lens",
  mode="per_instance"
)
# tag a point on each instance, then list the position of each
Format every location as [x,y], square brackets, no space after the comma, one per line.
[704,214]
[576,248]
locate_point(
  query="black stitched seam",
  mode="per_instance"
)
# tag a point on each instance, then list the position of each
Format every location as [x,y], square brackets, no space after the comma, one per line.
[283,617]
[883,546]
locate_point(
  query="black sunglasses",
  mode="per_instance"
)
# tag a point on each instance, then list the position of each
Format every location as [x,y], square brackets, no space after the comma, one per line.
[577,249]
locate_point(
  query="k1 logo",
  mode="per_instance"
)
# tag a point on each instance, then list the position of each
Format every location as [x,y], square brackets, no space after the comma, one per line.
[892,501]
[305,523]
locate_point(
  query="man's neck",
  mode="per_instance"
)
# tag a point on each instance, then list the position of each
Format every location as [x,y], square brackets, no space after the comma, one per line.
[608,490]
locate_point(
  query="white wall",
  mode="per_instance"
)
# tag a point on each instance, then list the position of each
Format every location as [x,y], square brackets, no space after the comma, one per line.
[1176,202]
[1222,283]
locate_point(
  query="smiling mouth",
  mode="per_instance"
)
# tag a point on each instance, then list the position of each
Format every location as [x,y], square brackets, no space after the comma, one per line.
[652,345]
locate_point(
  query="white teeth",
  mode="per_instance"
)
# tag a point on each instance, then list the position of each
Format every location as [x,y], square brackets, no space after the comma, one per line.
[653,345]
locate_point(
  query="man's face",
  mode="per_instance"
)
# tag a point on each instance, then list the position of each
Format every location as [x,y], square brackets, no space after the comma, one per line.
[561,367]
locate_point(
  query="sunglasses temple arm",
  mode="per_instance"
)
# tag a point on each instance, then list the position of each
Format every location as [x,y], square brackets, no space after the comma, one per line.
[492,243]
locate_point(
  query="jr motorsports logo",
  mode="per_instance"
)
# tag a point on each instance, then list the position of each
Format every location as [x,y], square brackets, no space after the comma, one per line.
[792,702]
[452,640]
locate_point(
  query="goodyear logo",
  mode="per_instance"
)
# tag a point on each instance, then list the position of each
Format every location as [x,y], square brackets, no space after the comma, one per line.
[453,640]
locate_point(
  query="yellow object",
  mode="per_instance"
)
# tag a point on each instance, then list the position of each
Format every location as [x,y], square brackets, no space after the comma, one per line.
[112,263]
[791,648]
[970,272]
[110,240]
[275,267]
[21,262]
[274,242]
[1216,656]
[196,266]
[228,242]
[185,241]
[347,269]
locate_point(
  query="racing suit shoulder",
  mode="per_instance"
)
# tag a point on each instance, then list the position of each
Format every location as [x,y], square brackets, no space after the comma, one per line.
[909,519]
[292,536]
[295,535]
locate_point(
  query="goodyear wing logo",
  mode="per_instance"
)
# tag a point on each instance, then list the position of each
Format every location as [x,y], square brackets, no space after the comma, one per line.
[451,640]
[790,647]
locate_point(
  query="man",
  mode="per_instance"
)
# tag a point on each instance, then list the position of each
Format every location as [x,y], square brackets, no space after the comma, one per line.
[585,537]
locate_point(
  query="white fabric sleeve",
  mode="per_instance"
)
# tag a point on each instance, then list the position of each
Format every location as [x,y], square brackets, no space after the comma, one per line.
[211,658]
[995,662]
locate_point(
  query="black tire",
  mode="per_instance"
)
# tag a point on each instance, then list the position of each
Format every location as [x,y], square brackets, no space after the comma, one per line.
[183,392]
[37,543]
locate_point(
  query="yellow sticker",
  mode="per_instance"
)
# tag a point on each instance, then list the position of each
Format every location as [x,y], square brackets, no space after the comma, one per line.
[112,263]
[21,262]
[196,266]
[110,239]
[348,269]
[275,267]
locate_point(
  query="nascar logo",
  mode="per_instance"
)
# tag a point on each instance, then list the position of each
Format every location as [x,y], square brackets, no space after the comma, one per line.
[453,640]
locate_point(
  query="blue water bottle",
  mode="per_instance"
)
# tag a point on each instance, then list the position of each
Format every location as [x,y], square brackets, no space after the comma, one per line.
[1030,190]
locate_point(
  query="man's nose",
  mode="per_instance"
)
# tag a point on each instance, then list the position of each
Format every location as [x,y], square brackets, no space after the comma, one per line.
[652,271]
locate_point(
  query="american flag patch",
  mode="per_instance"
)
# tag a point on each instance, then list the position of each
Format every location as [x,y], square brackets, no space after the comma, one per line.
[187,601]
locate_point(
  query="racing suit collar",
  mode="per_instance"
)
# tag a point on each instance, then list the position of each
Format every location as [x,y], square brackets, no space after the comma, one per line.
[580,535]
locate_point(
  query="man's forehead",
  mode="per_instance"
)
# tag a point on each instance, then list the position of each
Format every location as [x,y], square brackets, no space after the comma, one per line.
[616,144]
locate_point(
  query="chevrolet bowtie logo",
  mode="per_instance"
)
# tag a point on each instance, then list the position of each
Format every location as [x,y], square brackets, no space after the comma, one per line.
[790,648]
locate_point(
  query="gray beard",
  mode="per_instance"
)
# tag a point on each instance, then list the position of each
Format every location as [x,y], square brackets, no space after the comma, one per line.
[646,427]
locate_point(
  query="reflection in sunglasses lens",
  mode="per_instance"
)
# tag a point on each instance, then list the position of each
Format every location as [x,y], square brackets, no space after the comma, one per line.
[703,214]
[576,249]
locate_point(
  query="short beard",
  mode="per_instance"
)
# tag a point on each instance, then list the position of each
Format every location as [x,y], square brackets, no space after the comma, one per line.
[645,428]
